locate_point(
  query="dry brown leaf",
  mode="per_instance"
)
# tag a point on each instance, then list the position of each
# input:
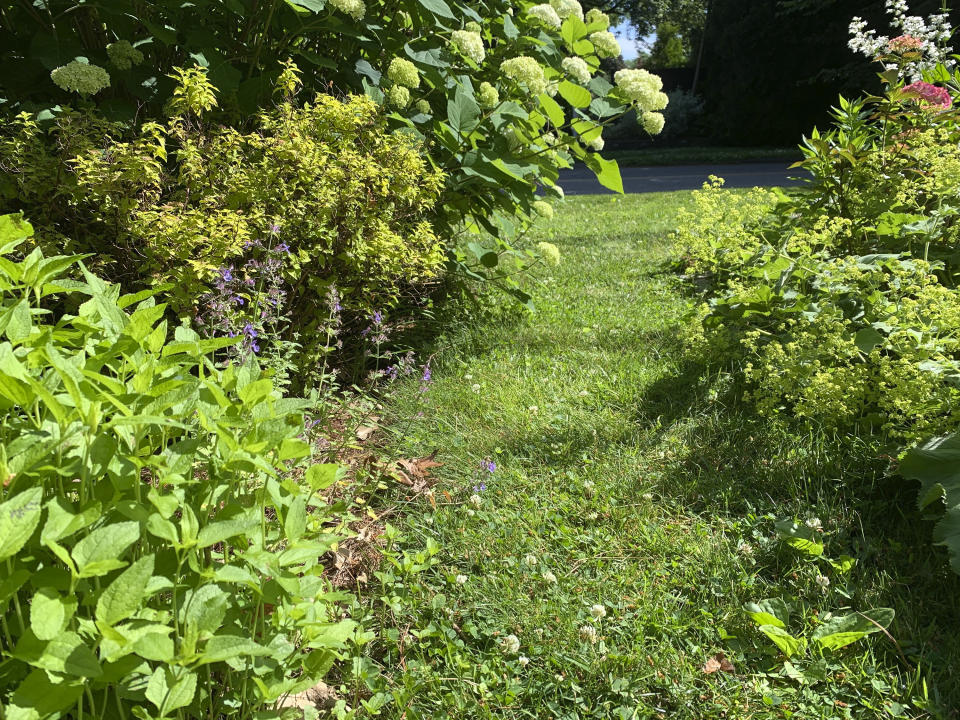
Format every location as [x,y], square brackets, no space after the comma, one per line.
[365,431]
[718,662]
[420,467]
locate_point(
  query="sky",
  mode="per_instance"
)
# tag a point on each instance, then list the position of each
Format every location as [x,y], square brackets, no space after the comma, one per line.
[627,36]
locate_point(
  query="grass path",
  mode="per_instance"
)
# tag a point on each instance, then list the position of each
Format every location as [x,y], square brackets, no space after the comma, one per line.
[642,487]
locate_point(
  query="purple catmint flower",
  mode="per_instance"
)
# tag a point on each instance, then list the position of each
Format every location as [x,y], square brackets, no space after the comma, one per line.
[377,318]
[489,466]
[282,248]
[274,228]
[227,273]
[480,488]
[249,330]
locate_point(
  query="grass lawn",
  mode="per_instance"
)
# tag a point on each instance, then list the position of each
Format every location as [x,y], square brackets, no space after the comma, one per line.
[696,155]
[629,518]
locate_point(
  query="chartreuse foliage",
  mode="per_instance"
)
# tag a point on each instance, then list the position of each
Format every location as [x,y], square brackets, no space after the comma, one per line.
[156,559]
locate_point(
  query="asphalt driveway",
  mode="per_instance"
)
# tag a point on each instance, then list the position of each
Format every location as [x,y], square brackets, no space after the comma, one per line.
[581,181]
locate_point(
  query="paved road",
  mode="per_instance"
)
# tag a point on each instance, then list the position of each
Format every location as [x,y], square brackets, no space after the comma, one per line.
[581,181]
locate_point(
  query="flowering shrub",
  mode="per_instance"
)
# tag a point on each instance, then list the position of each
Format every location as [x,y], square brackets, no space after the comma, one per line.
[157,553]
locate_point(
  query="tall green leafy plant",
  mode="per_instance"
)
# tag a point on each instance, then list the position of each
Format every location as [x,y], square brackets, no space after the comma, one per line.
[157,557]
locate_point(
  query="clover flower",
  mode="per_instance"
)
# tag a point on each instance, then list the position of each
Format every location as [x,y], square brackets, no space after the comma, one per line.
[487,96]
[355,8]
[81,78]
[476,500]
[530,560]
[549,577]
[546,15]
[823,581]
[543,209]
[524,69]
[461,579]
[588,488]
[597,16]
[598,611]
[123,55]
[588,633]
[549,252]
[398,96]
[814,523]
[577,68]
[927,94]
[510,644]
[523,660]
[648,496]
[403,72]
[566,8]
[605,43]
[469,44]
[653,122]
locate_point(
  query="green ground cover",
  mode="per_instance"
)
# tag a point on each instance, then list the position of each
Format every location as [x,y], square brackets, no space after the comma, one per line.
[633,475]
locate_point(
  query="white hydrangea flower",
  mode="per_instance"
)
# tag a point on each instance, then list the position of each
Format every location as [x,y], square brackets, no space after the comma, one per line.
[398,96]
[80,77]
[543,209]
[469,44]
[595,15]
[597,143]
[546,15]
[355,8]
[576,68]
[487,96]
[605,43]
[524,69]
[566,8]
[403,72]
[640,87]
[556,190]
[653,122]
[123,55]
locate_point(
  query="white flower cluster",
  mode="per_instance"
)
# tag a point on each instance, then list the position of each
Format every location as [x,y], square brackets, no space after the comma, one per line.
[469,44]
[927,38]
[524,69]
[643,88]
[81,78]
[487,96]
[546,15]
[605,43]
[566,8]
[576,68]
[354,8]
[123,55]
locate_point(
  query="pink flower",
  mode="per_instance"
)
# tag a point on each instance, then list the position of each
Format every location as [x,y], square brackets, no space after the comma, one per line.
[905,44]
[929,94]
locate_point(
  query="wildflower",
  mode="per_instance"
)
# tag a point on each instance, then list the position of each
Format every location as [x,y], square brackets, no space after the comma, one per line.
[653,122]
[546,15]
[549,577]
[480,488]
[928,94]
[403,72]
[489,465]
[598,611]
[745,549]
[593,517]
[595,16]
[461,579]
[533,410]
[524,69]
[605,43]
[814,523]
[355,8]
[510,644]
[588,633]
[543,209]
[423,107]
[123,55]
[566,8]
[648,496]
[476,501]
[823,581]
[398,96]
[469,44]
[588,488]
[549,252]
[577,68]
[81,78]
[530,561]
[487,96]
[468,376]
[905,44]
[523,660]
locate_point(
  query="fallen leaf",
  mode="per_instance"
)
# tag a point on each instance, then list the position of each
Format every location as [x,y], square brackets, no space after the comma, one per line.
[718,662]
[365,431]
[420,467]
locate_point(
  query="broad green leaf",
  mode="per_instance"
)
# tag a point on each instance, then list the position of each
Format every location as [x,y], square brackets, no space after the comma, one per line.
[222,530]
[62,522]
[16,321]
[553,110]
[156,646]
[783,640]
[439,8]
[839,632]
[19,517]
[867,339]
[13,231]
[204,608]
[314,6]
[769,612]
[802,538]
[576,95]
[463,112]
[65,653]
[123,596]
[169,690]
[37,696]
[332,635]
[320,477]
[50,612]
[295,523]
[100,552]
[226,647]
[607,172]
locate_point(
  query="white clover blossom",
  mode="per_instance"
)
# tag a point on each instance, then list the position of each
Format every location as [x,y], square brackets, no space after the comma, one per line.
[469,44]
[461,579]
[546,15]
[549,577]
[653,122]
[588,488]
[648,496]
[523,660]
[403,72]
[543,209]
[123,55]
[487,96]
[530,560]
[823,581]
[814,523]
[595,15]
[566,8]
[355,8]
[476,500]
[510,644]
[81,78]
[524,69]
[577,68]
[605,43]
[588,633]
[598,611]
[398,96]
[475,387]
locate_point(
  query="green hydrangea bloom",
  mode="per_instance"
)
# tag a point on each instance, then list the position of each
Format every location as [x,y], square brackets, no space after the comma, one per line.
[642,88]
[549,252]
[597,16]
[566,8]
[468,44]
[524,69]
[543,209]
[652,122]
[423,107]
[473,27]
[403,72]
[546,15]
[123,55]
[576,68]
[487,96]
[398,96]
[81,78]
[355,8]
[605,43]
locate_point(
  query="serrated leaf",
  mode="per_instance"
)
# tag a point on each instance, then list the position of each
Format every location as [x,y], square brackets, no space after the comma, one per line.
[65,653]
[38,697]
[123,596]
[225,647]
[169,691]
[50,612]
[204,608]
[99,552]
[463,112]
[320,477]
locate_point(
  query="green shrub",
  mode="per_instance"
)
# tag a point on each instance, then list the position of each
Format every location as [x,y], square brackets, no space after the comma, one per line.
[186,203]
[158,559]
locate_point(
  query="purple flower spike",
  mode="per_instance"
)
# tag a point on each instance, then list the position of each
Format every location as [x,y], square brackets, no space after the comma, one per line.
[274,228]
[489,466]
